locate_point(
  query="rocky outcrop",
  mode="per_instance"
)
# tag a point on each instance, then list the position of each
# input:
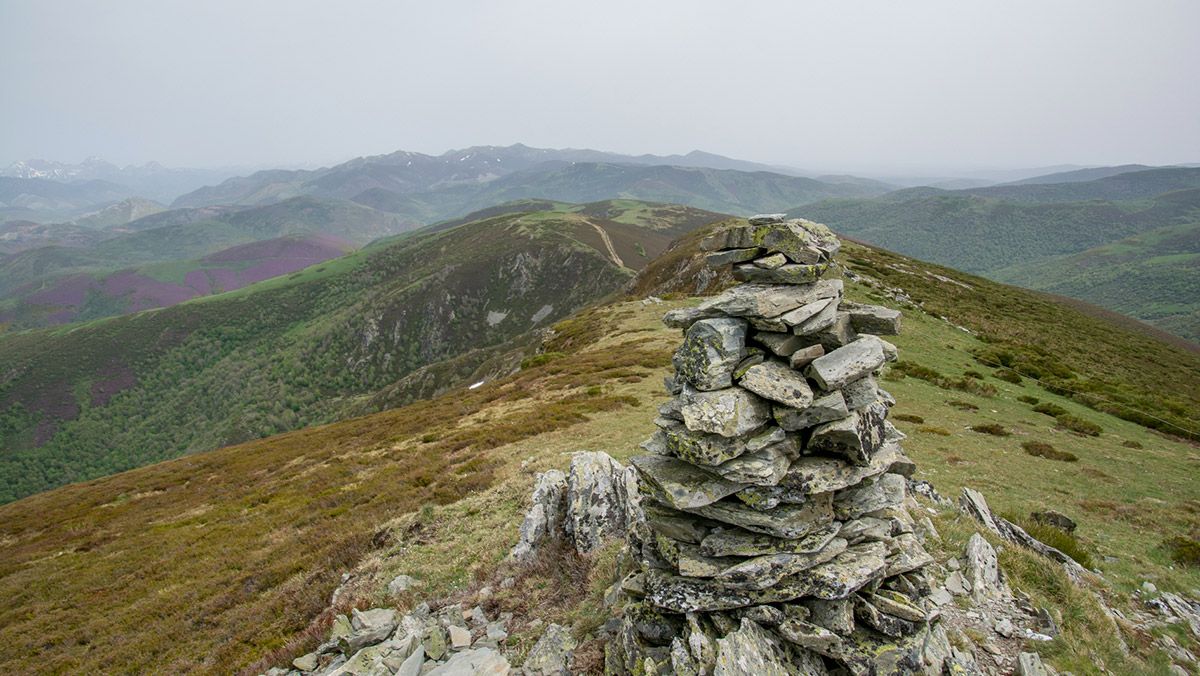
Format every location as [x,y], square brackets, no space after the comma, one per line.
[596,500]
[777,537]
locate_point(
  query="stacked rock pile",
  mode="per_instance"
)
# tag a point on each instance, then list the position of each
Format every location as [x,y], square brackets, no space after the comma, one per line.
[777,537]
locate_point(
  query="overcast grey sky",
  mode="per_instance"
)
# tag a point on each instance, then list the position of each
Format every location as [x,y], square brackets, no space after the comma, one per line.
[830,86]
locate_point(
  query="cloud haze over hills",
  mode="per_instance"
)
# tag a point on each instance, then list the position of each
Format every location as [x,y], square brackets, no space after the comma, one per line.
[870,87]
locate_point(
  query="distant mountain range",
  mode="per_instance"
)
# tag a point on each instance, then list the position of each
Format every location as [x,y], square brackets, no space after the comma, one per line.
[1121,240]
[151,180]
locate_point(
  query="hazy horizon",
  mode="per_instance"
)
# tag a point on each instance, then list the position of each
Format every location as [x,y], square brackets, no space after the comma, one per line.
[925,88]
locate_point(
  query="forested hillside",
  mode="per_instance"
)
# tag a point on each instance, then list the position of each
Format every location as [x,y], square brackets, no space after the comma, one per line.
[333,340]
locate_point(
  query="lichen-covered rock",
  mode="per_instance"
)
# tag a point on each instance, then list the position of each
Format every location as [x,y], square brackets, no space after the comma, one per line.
[762,467]
[775,381]
[805,356]
[785,521]
[982,570]
[807,311]
[544,519]
[681,484]
[790,273]
[857,436]
[731,412]
[750,650]
[800,240]
[847,364]
[770,300]
[710,351]
[824,408]
[861,393]
[869,496]
[476,662]
[601,500]
[738,542]
[551,655]
[710,450]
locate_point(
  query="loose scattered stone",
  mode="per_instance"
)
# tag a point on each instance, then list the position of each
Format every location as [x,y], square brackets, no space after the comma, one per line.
[873,319]
[552,652]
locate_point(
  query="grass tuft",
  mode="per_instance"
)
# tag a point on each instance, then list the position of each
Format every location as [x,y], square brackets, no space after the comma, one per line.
[1183,550]
[1079,425]
[1041,449]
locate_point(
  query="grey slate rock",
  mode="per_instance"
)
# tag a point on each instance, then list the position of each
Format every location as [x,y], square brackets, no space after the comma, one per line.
[730,412]
[729,256]
[869,496]
[824,408]
[808,311]
[873,319]
[785,521]
[770,300]
[861,393]
[774,381]
[738,542]
[847,364]
[750,650]
[771,262]
[787,274]
[710,351]
[682,484]
[856,437]
[805,356]
[822,320]
[780,343]
[552,652]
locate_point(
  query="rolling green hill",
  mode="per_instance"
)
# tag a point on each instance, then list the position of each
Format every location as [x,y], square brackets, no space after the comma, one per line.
[1020,240]
[437,489]
[333,340]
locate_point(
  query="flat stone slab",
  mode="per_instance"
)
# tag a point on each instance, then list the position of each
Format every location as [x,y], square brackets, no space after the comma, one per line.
[873,319]
[847,364]
[738,542]
[824,408]
[701,448]
[731,412]
[764,571]
[762,467]
[779,383]
[790,273]
[710,350]
[785,521]
[684,485]
[801,241]
[770,300]
[807,311]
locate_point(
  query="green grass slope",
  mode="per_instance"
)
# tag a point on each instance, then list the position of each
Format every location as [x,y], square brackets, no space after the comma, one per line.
[437,489]
[86,400]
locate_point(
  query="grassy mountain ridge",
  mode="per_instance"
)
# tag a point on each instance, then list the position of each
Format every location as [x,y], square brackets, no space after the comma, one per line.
[437,490]
[87,400]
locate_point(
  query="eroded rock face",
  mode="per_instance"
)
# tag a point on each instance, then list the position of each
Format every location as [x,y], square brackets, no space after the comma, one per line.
[595,501]
[776,537]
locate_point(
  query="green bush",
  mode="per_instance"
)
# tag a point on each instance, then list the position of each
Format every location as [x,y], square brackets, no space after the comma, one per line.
[962,405]
[1052,410]
[973,374]
[1079,425]
[940,431]
[992,429]
[1041,449]
[1131,444]
[539,359]
[916,370]
[1026,399]
[1183,550]
[1008,376]
[908,417]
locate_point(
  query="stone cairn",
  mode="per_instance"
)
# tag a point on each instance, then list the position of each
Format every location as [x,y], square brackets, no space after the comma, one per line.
[777,536]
